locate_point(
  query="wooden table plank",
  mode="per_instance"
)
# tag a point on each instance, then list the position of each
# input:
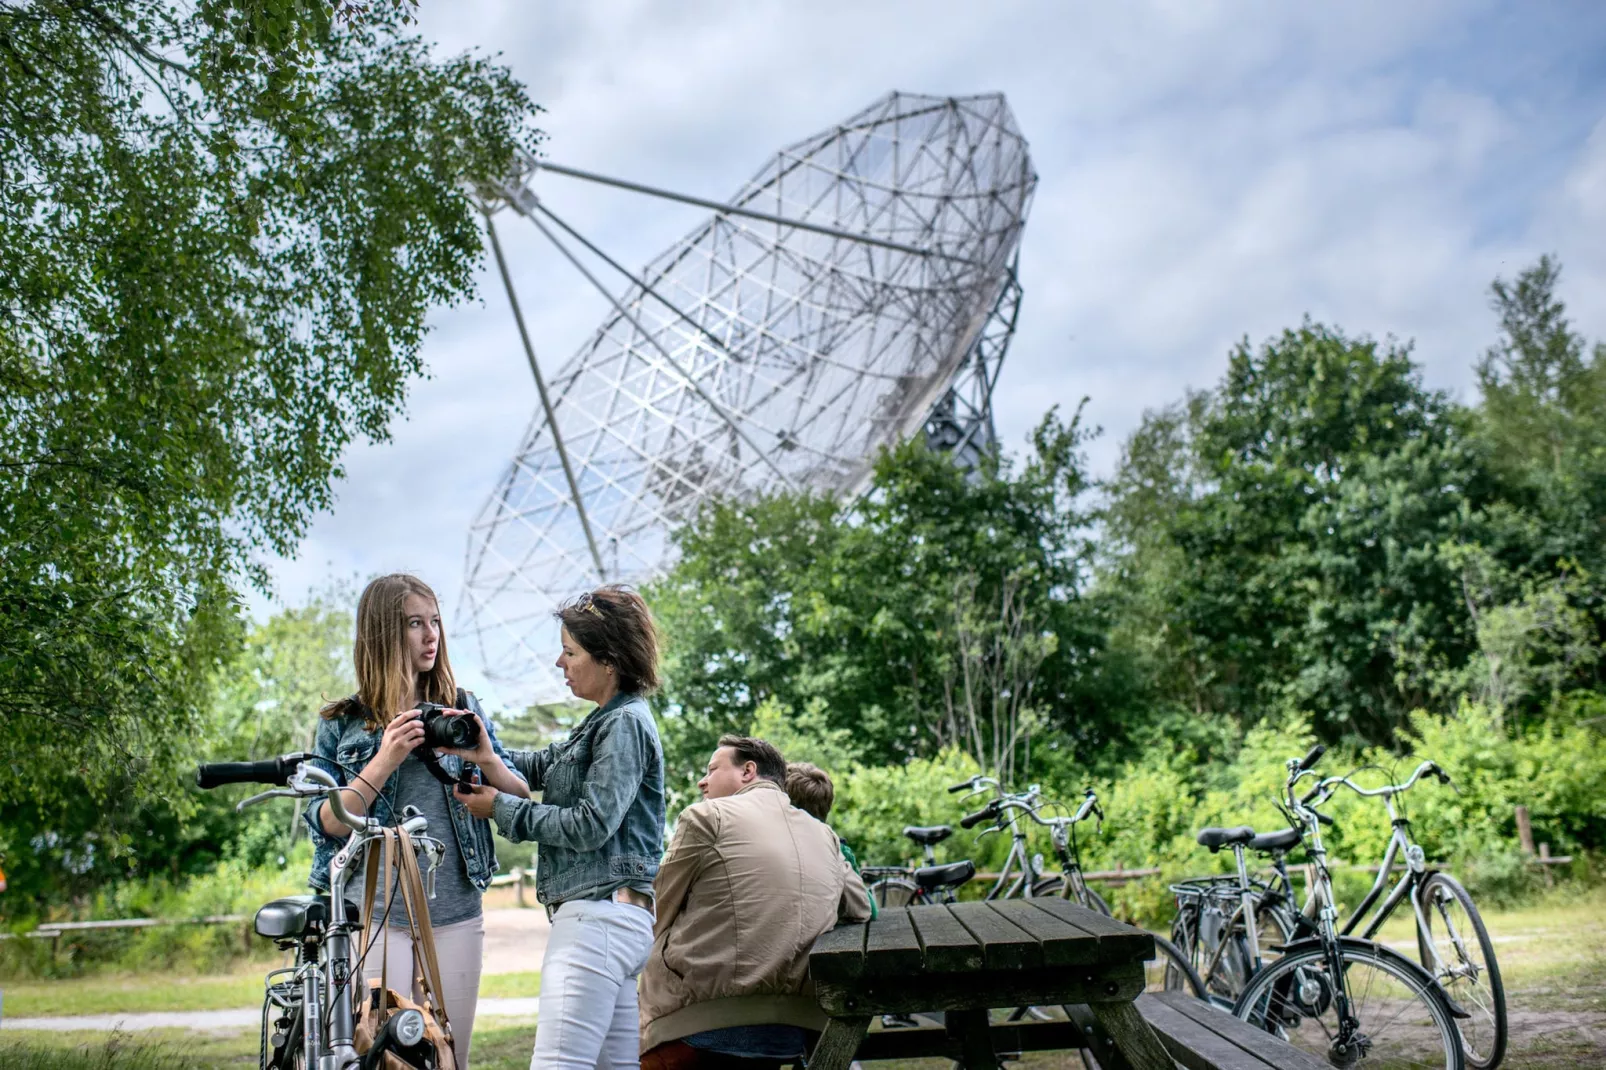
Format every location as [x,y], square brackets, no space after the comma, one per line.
[948,946]
[1063,944]
[1191,1044]
[839,954]
[1040,987]
[1006,946]
[1117,941]
[1272,1050]
[891,948]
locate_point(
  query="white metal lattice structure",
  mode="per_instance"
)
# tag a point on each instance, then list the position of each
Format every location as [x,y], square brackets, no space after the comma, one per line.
[858,290]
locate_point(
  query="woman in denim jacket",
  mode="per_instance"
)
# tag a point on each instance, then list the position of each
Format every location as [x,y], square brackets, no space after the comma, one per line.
[601,830]
[369,742]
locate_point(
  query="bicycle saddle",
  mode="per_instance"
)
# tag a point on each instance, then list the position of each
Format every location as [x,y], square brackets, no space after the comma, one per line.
[1216,839]
[928,834]
[949,876]
[1281,840]
[295,916]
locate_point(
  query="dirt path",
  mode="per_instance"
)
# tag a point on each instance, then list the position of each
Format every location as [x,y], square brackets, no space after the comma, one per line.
[515,940]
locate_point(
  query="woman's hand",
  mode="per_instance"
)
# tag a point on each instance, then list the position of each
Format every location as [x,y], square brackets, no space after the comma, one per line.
[404,732]
[481,755]
[481,801]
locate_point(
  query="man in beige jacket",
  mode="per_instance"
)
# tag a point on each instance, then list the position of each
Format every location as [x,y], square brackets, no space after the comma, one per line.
[749,883]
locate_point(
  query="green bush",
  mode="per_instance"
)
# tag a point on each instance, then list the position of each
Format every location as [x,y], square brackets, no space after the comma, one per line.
[231,888]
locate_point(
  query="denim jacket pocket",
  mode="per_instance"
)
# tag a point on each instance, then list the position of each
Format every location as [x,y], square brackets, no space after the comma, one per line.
[355,754]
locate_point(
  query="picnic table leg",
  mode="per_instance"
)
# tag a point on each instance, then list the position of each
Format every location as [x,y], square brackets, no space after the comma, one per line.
[839,1043]
[974,1033]
[1094,1038]
[1132,1036]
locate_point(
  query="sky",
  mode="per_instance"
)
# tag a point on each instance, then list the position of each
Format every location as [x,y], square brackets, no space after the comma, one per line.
[1207,172]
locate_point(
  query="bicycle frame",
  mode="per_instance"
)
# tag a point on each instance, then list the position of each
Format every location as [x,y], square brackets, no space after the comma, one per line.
[1409,883]
[326,983]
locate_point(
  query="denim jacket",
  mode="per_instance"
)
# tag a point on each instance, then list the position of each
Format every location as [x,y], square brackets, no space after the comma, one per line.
[344,745]
[601,822]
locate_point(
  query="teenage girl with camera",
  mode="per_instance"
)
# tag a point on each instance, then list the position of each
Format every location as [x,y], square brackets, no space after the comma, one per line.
[374,743]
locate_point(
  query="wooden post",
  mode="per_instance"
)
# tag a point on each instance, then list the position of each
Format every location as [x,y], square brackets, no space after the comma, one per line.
[1525,831]
[1544,864]
[518,886]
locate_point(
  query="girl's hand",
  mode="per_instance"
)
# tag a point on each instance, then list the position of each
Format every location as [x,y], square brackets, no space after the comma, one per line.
[404,732]
[481,801]
[481,755]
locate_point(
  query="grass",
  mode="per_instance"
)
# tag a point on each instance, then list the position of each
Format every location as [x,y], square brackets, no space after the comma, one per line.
[141,993]
[1552,955]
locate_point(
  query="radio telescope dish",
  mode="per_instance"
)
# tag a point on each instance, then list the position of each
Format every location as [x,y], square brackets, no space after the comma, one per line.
[859,290]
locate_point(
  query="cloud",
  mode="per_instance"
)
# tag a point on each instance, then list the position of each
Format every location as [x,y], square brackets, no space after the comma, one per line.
[1207,171]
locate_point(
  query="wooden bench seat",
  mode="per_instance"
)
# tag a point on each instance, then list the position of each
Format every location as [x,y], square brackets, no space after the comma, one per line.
[1201,1037]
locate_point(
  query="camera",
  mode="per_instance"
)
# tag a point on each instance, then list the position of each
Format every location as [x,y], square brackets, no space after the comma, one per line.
[443,729]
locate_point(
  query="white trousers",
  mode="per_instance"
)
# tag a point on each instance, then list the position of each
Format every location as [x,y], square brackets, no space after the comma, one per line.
[460,950]
[587,1018]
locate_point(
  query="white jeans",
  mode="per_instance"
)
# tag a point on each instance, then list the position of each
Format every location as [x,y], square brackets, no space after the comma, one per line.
[587,1018]
[460,950]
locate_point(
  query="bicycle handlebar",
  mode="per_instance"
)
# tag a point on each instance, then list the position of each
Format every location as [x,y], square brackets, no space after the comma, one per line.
[275,771]
[1426,768]
[1311,757]
[985,813]
[963,785]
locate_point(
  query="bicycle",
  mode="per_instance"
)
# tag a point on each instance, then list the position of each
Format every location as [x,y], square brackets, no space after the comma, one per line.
[1168,970]
[307,1009]
[899,886]
[1342,997]
[1211,928]
[1452,942]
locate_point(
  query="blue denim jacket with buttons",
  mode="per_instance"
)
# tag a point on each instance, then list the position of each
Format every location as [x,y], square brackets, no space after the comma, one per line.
[345,744]
[600,823]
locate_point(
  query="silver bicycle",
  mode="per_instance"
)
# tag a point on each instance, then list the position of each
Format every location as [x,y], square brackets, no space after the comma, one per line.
[1452,942]
[308,1007]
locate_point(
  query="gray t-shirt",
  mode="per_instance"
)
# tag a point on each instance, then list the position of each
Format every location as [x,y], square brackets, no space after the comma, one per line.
[456,898]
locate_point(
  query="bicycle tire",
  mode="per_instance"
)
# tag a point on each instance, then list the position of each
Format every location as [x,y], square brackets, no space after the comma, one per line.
[1176,973]
[1293,998]
[1479,991]
[890,893]
[1054,886]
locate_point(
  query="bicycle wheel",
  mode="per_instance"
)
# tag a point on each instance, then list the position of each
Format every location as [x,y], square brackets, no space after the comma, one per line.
[896,892]
[1404,1021]
[1055,886]
[1170,970]
[1457,950]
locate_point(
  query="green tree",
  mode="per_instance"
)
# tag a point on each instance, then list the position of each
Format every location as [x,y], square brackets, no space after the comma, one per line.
[267,701]
[1277,543]
[221,230]
[871,614]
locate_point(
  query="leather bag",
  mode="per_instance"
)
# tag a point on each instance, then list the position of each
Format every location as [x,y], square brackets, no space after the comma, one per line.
[380,1000]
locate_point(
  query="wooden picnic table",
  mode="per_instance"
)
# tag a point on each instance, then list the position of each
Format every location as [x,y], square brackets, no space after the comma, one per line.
[966,959]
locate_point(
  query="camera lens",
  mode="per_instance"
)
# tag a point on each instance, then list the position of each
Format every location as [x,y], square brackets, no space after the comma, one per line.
[452,730]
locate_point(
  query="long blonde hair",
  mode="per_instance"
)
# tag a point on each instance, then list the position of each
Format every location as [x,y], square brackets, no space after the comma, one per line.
[384,673]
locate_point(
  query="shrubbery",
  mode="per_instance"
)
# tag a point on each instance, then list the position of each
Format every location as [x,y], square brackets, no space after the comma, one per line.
[1157,803]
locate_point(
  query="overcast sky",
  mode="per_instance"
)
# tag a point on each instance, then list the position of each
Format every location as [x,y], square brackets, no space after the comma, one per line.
[1207,171]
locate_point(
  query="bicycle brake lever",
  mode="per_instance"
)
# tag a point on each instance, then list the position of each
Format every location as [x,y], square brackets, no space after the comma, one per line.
[263,797]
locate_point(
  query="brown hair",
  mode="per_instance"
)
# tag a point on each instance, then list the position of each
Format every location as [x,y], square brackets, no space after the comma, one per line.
[615,627]
[384,677]
[762,753]
[810,789]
